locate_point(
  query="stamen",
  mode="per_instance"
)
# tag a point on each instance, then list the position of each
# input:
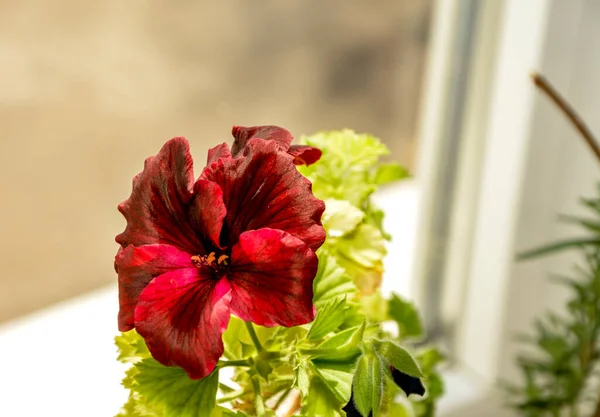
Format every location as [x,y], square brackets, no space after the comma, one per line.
[222,259]
[209,260]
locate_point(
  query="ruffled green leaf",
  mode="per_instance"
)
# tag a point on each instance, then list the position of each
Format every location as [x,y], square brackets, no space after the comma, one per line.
[340,217]
[132,347]
[331,281]
[329,317]
[390,172]
[348,168]
[171,390]
[320,401]
[342,345]
[364,246]
[337,376]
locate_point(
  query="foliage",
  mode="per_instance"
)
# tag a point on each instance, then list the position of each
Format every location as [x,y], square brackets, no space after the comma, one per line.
[559,368]
[344,359]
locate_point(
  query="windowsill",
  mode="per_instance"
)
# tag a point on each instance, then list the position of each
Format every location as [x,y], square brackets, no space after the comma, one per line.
[62,360]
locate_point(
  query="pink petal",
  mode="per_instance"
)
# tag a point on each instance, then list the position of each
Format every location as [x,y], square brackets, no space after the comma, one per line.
[242,136]
[305,155]
[271,278]
[207,212]
[137,266]
[218,152]
[262,188]
[182,315]
[157,210]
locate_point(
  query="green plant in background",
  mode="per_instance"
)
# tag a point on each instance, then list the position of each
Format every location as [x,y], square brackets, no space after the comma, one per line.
[560,368]
[559,377]
[344,362]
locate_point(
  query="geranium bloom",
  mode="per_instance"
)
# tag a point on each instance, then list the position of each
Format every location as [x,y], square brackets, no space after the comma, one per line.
[239,240]
[303,155]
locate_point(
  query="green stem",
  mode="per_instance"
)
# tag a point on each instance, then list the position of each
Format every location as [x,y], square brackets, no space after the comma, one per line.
[240,362]
[232,396]
[254,337]
[258,400]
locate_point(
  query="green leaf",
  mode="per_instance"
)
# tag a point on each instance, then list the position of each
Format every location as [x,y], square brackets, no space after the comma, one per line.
[401,410]
[365,246]
[302,381]
[170,389]
[225,412]
[337,376]
[341,217]
[342,345]
[134,407]
[329,317]
[592,225]
[368,384]
[399,358]
[351,150]
[557,247]
[344,170]
[320,401]
[375,307]
[429,358]
[375,217]
[389,172]
[331,281]
[237,342]
[132,347]
[406,316]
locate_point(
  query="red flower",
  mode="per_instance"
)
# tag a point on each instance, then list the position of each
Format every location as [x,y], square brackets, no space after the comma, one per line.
[239,240]
[303,155]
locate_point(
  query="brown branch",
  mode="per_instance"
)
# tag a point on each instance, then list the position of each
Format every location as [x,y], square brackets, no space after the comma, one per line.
[543,84]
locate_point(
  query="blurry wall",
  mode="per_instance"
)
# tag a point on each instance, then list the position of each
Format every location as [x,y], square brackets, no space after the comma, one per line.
[88,90]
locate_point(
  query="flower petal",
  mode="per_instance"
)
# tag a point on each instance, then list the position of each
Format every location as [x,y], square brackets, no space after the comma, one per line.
[218,152]
[181,315]
[137,266]
[242,136]
[208,211]
[157,210]
[305,155]
[271,278]
[263,188]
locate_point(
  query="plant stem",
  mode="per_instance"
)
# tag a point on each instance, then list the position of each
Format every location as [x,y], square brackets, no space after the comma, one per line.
[254,337]
[240,362]
[232,396]
[258,400]
[543,84]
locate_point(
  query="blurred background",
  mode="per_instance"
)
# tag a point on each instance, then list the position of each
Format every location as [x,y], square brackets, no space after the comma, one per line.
[89,90]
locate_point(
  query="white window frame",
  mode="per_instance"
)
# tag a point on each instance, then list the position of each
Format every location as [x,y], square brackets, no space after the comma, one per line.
[513,141]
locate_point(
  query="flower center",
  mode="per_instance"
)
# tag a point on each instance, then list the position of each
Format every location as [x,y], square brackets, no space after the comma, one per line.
[211,261]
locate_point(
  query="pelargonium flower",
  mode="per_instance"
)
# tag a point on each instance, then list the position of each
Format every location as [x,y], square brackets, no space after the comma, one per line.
[303,155]
[239,240]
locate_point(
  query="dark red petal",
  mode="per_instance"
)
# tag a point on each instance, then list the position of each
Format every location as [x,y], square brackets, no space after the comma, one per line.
[263,188]
[305,155]
[157,210]
[208,211]
[218,152]
[137,266]
[271,278]
[242,136]
[181,315]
